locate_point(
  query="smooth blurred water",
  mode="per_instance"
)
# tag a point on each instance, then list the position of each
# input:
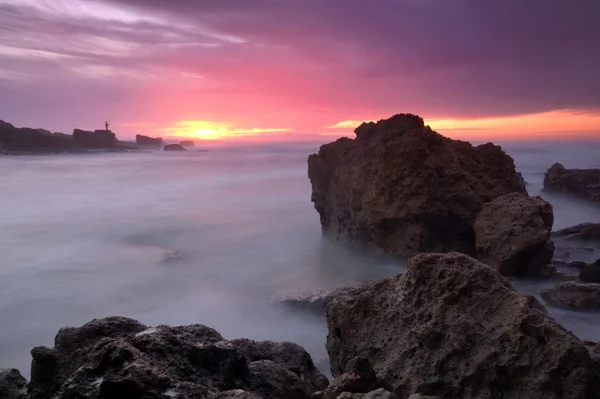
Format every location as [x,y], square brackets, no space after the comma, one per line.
[198,237]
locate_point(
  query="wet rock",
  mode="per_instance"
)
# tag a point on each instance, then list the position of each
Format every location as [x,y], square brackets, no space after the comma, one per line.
[291,356]
[174,147]
[403,188]
[121,358]
[454,327]
[513,235]
[574,295]
[591,273]
[148,141]
[12,384]
[315,302]
[582,183]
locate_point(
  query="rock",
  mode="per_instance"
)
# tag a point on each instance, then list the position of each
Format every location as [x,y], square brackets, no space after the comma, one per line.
[187,143]
[121,358]
[27,140]
[315,302]
[237,394]
[403,188]
[376,394]
[582,183]
[291,356]
[574,295]
[12,384]
[512,235]
[577,264]
[97,139]
[454,327]
[419,396]
[174,147]
[148,141]
[591,273]
[359,377]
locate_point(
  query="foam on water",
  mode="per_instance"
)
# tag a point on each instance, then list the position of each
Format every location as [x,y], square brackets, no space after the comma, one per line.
[94,235]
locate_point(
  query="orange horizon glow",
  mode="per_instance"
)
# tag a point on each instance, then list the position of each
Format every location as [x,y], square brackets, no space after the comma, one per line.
[208,130]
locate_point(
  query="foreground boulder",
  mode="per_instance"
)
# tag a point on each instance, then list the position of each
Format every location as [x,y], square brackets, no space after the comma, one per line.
[120,358]
[513,235]
[174,147]
[12,384]
[403,188]
[148,141]
[453,327]
[574,295]
[583,183]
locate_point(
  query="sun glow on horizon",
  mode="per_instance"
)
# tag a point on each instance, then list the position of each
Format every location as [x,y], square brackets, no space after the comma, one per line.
[207,130]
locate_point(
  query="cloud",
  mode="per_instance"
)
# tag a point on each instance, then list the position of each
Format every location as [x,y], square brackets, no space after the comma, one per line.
[299,63]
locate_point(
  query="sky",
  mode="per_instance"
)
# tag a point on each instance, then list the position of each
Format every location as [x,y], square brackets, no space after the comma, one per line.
[302,69]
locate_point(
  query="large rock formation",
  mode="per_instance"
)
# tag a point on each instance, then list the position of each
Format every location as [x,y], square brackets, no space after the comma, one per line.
[148,141]
[513,235]
[573,295]
[455,328]
[120,358]
[96,139]
[583,183]
[405,189]
[12,384]
[26,140]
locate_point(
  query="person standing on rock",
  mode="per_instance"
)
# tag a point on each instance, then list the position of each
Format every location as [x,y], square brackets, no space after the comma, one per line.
[106,124]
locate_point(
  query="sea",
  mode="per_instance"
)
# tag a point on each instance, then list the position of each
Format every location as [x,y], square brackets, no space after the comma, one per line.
[215,238]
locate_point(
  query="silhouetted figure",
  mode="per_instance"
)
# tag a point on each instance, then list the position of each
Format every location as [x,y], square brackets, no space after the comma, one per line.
[106,124]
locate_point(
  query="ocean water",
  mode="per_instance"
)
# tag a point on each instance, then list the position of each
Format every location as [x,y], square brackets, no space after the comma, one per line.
[200,237]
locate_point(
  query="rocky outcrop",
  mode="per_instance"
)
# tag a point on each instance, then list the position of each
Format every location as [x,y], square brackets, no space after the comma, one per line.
[577,245]
[512,235]
[174,147]
[582,183]
[121,358]
[591,273]
[96,139]
[187,143]
[573,295]
[403,188]
[148,141]
[12,384]
[26,140]
[315,303]
[455,328]
[585,232]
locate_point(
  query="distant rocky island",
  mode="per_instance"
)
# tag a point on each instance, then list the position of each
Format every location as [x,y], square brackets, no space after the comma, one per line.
[451,327]
[26,141]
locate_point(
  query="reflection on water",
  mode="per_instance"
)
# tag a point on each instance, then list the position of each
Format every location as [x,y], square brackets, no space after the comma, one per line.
[170,238]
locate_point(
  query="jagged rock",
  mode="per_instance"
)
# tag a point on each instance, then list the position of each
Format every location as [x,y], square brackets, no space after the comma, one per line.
[120,358]
[455,328]
[591,273]
[96,139]
[583,183]
[187,143]
[291,356]
[12,384]
[376,394]
[148,141]
[359,377]
[315,302]
[237,394]
[174,147]
[574,295]
[512,235]
[403,188]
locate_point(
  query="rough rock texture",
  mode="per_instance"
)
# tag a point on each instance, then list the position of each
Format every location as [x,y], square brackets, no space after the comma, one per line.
[583,183]
[148,141]
[454,327]
[376,394]
[591,273]
[512,235]
[120,358]
[315,302]
[237,394]
[403,188]
[12,384]
[187,143]
[574,295]
[95,139]
[174,147]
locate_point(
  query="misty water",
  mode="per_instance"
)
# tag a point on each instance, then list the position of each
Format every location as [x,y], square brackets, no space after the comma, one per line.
[200,237]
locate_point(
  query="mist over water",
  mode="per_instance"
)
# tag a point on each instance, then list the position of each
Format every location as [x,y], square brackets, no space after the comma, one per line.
[199,237]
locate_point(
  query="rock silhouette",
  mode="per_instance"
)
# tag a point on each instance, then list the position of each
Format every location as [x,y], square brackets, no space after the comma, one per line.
[148,141]
[582,183]
[174,147]
[404,189]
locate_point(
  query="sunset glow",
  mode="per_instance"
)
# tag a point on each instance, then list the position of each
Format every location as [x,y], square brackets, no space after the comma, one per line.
[301,70]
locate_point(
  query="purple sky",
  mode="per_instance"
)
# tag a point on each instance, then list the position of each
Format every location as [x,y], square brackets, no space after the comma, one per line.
[298,65]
